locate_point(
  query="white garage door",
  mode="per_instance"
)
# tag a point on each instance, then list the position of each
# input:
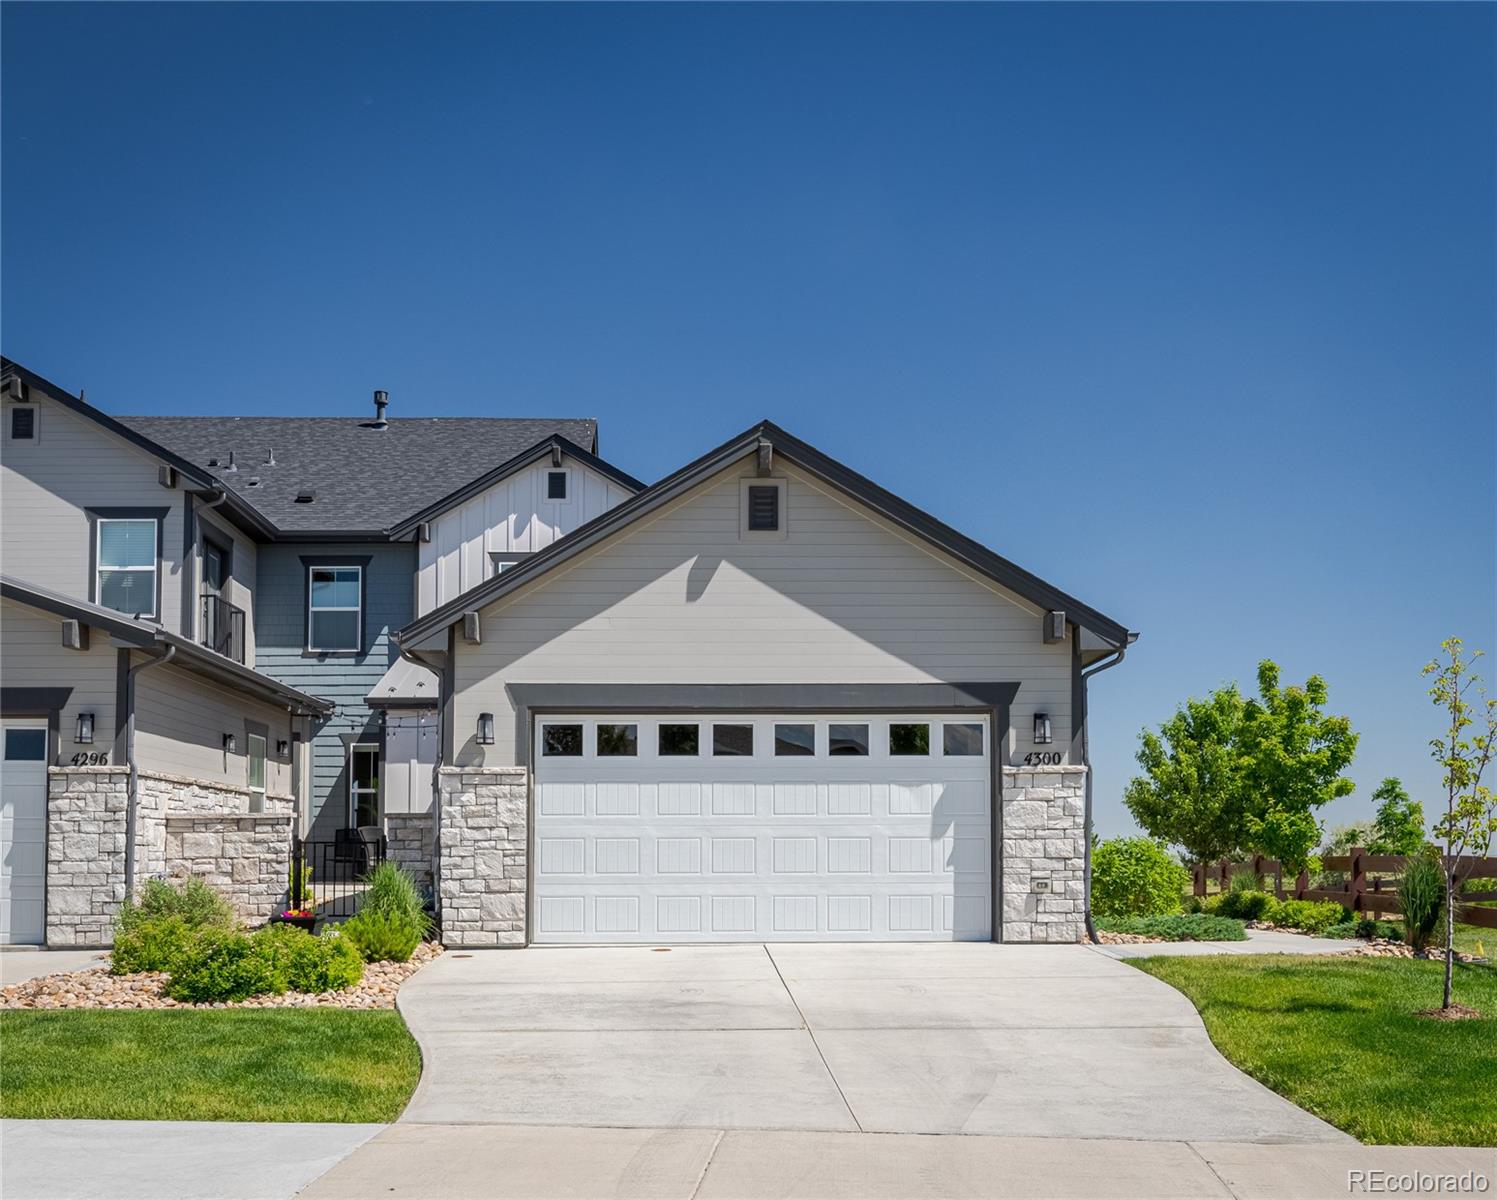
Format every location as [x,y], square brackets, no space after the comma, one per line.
[764,827]
[23,830]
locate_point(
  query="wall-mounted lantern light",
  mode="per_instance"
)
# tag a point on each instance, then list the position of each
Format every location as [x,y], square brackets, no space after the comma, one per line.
[282,747]
[1041,729]
[229,743]
[485,729]
[85,733]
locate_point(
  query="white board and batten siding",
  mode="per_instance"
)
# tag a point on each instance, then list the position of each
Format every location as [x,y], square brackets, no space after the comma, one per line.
[511,516]
[681,597]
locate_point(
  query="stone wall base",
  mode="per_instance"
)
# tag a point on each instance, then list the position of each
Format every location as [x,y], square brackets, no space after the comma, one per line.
[481,858]
[244,857]
[410,843]
[1043,848]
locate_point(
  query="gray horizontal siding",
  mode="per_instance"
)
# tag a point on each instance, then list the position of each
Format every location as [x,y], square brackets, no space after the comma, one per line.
[681,598]
[180,722]
[280,635]
[45,488]
[34,657]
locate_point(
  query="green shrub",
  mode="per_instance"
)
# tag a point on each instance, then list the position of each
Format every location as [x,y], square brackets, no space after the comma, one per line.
[393,892]
[1242,904]
[1421,897]
[1244,879]
[383,937]
[224,965]
[1179,927]
[299,962]
[151,944]
[193,901]
[1311,916]
[1137,875]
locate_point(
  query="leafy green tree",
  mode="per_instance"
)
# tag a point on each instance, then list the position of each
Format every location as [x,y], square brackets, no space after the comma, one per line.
[1291,757]
[1399,825]
[1464,753]
[1189,794]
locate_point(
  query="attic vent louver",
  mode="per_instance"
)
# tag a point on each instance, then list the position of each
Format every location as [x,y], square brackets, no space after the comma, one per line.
[306,496]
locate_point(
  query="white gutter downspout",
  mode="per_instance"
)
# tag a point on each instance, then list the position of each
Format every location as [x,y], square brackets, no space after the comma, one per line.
[1086,755]
[132,796]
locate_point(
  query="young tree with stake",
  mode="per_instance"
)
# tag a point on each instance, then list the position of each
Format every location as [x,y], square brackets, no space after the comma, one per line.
[1470,818]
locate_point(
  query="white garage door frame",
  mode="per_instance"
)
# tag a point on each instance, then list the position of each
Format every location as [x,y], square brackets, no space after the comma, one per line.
[990,701]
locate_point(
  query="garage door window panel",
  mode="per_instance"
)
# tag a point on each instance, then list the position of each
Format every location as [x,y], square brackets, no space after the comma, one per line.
[25,745]
[794,741]
[679,741]
[732,741]
[909,740]
[618,741]
[847,740]
[962,740]
[561,741]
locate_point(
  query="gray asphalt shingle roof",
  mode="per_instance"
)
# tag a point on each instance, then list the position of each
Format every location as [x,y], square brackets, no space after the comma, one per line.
[363,477]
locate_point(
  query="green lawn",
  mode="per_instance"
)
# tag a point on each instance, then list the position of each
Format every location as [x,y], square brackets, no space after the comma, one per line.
[207,1065]
[1339,1037]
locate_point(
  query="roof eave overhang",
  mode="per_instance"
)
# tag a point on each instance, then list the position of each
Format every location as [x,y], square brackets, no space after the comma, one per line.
[190,656]
[885,503]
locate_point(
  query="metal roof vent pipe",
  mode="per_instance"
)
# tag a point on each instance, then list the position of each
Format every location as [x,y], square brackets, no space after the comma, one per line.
[381,402]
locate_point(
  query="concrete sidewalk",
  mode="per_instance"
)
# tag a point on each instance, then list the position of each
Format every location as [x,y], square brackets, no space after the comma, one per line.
[168,1160]
[17,966]
[466,1162]
[1259,941]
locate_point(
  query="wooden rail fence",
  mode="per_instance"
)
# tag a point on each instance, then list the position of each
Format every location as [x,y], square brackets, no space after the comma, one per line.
[1371,887]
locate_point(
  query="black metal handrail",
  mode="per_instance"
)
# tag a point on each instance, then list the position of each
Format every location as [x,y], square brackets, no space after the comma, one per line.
[223,627]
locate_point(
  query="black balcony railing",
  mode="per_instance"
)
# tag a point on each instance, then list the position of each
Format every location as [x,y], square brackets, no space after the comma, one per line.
[223,627]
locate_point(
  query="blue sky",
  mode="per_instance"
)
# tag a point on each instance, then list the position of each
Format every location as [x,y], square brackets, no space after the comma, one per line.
[1189,310]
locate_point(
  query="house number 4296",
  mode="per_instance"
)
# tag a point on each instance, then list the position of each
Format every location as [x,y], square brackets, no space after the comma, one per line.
[96,758]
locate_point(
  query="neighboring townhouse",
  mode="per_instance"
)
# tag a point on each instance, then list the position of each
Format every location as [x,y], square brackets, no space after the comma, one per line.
[291,547]
[763,699]
[137,737]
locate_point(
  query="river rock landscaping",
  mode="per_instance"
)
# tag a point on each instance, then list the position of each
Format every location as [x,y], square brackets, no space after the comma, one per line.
[95,987]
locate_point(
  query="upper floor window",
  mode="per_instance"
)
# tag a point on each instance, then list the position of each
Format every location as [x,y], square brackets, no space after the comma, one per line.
[556,485]
[335,609]
[126,565]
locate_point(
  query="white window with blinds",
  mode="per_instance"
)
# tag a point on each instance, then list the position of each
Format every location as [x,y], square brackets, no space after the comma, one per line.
[126,555]
[335,609]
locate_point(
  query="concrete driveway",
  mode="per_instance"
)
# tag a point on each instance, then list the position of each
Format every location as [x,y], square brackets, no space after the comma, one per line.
[974,1038]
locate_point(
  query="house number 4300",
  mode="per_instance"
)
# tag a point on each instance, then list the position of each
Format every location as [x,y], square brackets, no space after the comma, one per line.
[1042,758]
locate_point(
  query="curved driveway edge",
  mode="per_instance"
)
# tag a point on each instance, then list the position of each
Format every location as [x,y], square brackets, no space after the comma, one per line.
[973,1038]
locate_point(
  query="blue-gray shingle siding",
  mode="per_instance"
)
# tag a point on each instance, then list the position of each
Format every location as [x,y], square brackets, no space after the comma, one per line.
[280,637]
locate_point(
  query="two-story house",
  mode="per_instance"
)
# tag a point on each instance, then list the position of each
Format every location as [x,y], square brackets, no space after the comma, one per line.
[762,698]
[264,562]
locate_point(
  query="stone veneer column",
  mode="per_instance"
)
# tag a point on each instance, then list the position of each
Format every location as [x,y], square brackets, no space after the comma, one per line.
[410,843]
[482,834]
[1043,839]
[85,853]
